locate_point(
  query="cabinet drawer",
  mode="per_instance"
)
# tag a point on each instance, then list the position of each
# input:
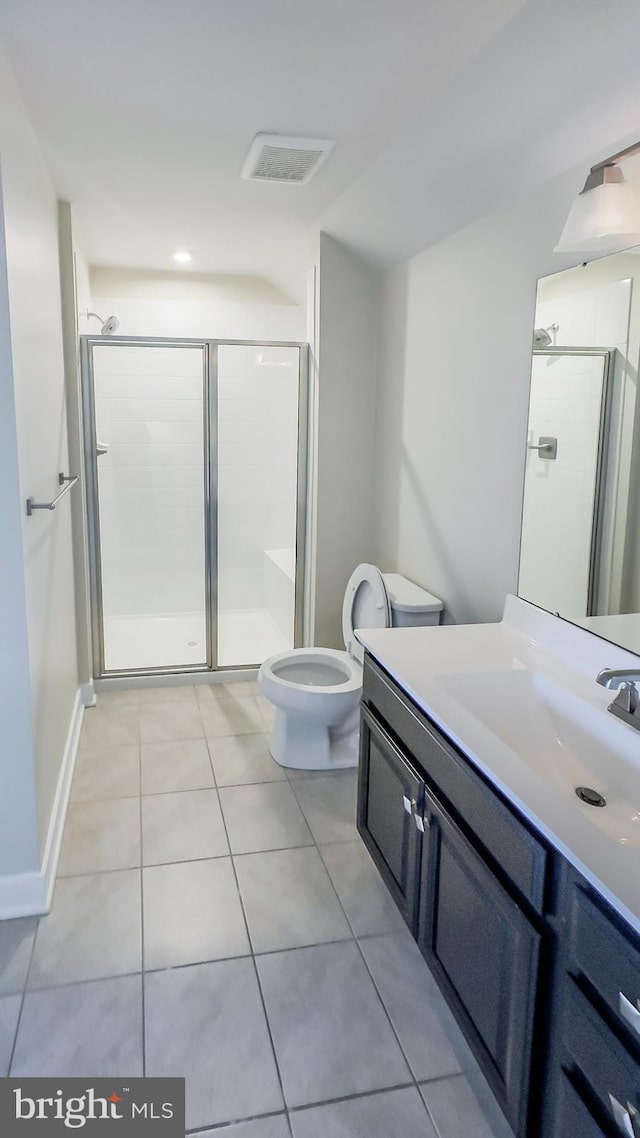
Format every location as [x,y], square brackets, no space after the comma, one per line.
[592,1052]
[517,853]
[571,1118]
[609,960]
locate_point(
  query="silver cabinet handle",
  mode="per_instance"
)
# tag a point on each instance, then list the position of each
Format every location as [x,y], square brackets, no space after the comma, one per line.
[410,808]
[623,1116]
[629,1013]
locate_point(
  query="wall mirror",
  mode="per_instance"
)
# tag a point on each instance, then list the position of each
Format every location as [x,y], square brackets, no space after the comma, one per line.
[580,542]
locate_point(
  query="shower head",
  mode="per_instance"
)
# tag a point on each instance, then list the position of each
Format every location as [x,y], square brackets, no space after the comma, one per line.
[109,326]
[541,337]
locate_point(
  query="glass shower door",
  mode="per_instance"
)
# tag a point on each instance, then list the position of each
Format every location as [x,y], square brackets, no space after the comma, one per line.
[563,490]
[259,494]
[150,504]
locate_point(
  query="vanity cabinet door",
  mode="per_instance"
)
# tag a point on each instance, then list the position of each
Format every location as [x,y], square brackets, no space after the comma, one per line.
[390,796]
[483,952]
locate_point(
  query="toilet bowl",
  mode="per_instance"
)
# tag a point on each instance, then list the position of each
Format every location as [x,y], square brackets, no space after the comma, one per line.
[316,691]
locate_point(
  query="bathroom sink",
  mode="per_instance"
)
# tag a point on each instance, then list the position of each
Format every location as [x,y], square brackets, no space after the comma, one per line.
[566,740]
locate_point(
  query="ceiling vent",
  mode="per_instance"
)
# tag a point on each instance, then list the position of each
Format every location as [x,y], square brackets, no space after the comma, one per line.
[279,158]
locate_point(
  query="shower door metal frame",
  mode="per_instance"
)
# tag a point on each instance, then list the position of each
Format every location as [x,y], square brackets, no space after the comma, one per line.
[210,464]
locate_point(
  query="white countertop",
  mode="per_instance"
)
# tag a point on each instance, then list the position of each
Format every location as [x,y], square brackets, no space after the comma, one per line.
[480,683]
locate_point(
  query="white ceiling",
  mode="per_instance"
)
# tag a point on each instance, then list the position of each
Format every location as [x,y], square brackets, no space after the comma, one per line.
[441,110]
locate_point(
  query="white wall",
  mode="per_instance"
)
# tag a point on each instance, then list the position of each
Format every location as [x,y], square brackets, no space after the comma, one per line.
[454,363]
[74,279]
[19,847]
[34,338]
[161,304]
[346,391]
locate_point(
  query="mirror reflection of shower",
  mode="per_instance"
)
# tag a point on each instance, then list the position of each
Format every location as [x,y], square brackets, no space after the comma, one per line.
[108,326]
[544,337]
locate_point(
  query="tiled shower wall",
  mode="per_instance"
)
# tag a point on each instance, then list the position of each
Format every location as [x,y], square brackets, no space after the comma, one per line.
[149,410]
[257,434]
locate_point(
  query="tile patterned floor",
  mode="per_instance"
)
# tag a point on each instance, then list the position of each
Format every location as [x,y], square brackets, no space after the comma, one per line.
[220,919]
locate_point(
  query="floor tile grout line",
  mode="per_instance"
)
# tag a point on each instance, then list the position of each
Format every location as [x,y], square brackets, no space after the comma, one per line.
[142,969]
[406,1086]
[192,789]
[216,960]
[213,857]
[213,960]
[270,1034]
[222,1126]
[369,973]
[25,990]
[354,938]
[415,1081]
[315,1105]
[257,976]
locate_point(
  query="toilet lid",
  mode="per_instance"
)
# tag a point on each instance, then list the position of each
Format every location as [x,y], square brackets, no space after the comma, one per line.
[366,605]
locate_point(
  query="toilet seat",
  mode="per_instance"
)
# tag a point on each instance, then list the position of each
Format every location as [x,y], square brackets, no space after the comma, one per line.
[336,671]
[316,691]
[365,605]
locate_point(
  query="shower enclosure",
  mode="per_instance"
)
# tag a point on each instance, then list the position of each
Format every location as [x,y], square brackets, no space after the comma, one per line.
[195,458]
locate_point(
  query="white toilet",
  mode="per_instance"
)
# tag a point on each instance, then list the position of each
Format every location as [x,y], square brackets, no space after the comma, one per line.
[316,691]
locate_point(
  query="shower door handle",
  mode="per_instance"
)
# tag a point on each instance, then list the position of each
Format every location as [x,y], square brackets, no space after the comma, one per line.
[546,446]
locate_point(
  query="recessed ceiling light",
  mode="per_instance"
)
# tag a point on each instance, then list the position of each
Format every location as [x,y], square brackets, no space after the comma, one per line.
[182,256]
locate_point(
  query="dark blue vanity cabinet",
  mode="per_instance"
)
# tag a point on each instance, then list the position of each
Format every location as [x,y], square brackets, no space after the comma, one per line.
[595,1023]
[532,962]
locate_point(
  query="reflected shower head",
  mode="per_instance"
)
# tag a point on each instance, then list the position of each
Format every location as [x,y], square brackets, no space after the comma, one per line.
[541,337]
[109,326]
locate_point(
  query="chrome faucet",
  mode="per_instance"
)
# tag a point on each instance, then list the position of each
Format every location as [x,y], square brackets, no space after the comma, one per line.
[626,704]
[613,677]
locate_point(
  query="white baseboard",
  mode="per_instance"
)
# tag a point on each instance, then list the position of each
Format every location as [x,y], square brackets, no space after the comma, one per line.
[49,866]
[22,895]
[88,694]
[30,894]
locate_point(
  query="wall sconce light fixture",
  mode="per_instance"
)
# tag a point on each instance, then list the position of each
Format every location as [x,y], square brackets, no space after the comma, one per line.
[605,216]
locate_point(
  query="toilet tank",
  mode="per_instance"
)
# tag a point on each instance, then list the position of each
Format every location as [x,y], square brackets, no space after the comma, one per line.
[411,605]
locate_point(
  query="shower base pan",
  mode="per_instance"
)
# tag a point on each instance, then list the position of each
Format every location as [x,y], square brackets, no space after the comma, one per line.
[245,637]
